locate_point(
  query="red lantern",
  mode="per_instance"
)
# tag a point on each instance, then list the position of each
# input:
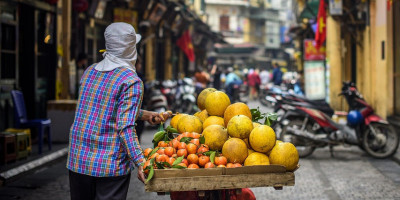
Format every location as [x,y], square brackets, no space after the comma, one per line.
[52,1]
[80,5]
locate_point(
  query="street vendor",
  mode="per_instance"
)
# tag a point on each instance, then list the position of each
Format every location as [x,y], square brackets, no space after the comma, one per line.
[103,145]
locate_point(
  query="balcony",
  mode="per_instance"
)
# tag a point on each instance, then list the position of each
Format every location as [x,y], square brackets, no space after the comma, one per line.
[228,2]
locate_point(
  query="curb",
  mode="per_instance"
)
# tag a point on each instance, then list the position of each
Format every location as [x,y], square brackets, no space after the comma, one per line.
[12,174]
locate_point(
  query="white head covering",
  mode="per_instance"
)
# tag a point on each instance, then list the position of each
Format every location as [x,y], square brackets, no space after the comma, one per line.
[121,40]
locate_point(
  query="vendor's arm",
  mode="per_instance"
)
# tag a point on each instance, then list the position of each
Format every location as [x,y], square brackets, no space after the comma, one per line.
[128,112]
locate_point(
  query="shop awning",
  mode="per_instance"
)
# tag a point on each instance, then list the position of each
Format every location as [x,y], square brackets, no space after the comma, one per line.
[310,11]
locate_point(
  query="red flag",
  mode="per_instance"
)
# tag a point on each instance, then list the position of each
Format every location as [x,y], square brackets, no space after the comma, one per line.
[320,36]
[185,43]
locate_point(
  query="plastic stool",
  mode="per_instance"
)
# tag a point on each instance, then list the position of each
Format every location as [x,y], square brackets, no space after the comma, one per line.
[27,132]
[8,148]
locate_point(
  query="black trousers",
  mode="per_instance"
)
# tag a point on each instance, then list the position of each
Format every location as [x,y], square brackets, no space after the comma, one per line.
[84,187]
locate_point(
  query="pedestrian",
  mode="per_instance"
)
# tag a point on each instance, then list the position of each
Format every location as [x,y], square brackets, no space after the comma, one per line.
[231,79]
[264,76]
[253,81]
[217,79]
[277,74]
[103,146]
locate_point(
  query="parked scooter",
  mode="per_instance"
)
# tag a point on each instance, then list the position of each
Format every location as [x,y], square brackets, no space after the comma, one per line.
[309,128]
[277,98]
[186,96]
[169,89]
[156,101]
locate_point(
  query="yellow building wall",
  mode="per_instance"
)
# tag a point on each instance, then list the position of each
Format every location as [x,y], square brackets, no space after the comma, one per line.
[333,52]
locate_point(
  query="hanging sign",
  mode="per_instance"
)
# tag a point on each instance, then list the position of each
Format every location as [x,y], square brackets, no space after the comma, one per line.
[336,7]
[314,77]
[311,52]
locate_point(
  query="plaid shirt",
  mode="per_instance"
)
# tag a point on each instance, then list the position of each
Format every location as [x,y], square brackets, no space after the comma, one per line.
[102,140]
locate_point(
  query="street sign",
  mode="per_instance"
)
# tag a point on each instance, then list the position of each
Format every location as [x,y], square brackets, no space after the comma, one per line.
[336,7]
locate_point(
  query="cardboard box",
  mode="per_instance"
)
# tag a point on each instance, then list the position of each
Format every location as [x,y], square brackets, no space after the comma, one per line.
[168,180]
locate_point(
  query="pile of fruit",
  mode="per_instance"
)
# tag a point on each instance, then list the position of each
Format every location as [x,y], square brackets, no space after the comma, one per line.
[220,135]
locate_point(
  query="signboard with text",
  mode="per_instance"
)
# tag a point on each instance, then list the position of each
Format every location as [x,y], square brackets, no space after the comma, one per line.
[336,7]
[314,77]
[311,52]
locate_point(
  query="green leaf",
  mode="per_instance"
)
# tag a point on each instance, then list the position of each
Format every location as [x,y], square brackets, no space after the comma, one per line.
[186,140]
[151,173]
[152,161]
[208,153]
[166,139]
[202,139]
[269,118]
[212,157]
[256,114]
[159,165]
[267,122]
[178,160]
[272,116]
[178,167]
[171,129]
[166,164]
[153,152]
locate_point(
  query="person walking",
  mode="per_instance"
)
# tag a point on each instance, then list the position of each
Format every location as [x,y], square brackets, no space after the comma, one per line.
[103,146]
[231,79]
[264,76]
[253,81]
[277,74]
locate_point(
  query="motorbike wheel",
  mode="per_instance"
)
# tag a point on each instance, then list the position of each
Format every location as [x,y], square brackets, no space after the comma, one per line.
[304,146]
[382,145]
[265,102]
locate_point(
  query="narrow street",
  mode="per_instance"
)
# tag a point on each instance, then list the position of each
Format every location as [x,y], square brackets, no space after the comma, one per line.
[350,174]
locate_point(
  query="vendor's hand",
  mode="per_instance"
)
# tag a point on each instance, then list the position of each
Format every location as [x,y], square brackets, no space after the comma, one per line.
[151,117]
[140,174]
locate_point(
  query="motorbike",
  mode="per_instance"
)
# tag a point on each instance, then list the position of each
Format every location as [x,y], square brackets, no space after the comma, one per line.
[186,96]
[155,101]
[276,98]
[169,90]
[309,128]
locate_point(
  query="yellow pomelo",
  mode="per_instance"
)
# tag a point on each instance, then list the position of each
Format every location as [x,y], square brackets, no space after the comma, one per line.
[213,120]
[276,143]
[236,109]
[203,115]
[256,124]
[201,99]
[189,123]
[240,126]
[215,136]
[174,120]
[216,103]
[262,139]
[235,150]
[285,153]
[250,151]
[256,158]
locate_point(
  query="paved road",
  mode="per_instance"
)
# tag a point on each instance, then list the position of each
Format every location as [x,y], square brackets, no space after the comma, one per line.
[351,174]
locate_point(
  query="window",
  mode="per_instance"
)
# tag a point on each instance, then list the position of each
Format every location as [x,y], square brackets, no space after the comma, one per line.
[224,23]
